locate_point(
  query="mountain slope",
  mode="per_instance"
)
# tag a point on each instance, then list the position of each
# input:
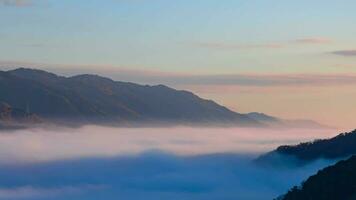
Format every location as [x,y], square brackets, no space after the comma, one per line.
[282,123]
[337,147]
[334,182]
[263,117]
[13,118]
[91,98]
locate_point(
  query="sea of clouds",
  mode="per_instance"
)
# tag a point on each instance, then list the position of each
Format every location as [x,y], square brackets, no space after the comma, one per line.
[148,163]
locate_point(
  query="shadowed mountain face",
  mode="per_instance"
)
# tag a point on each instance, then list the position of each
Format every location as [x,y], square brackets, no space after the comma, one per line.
[13,118]
[91,98]
[337,147]
[335,182]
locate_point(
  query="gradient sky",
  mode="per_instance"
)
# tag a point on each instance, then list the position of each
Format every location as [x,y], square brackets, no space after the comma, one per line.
[292,59]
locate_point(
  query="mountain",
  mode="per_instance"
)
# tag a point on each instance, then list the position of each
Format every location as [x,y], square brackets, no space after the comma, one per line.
[12,118]
[282,123]
[337,147]
[94,99]
[334,182]
[263,117]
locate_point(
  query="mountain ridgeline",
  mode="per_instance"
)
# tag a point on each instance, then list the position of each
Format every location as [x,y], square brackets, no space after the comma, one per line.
[341,146]
[95,99]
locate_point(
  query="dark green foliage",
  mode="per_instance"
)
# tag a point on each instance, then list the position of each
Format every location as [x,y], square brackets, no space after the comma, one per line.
[337,182]
[9,114]
[337,147]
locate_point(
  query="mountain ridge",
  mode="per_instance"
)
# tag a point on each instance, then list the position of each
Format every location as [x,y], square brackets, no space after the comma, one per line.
[92,98]
[338,147]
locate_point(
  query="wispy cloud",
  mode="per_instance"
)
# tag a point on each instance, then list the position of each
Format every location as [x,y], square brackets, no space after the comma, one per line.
[16,3]
[269,45]
[253,80]
[345,65]
[316,40]
[246,80]
[184,79]
[266,80]
[346,53]
[227,46]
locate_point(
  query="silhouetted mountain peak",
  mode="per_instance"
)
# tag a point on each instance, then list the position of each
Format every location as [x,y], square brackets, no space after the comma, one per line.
[27,72]
[340,146]
[91,77]
[92,98]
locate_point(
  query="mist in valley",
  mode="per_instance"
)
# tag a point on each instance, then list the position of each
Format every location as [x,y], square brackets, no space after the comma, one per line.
[148,163]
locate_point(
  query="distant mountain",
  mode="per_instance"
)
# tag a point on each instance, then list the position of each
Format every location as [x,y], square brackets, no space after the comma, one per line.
[282,123]
[263,117]
[331,183]
[94,99]
[337,147]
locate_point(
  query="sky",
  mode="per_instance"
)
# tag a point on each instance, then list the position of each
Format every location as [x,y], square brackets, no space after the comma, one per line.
[291,59]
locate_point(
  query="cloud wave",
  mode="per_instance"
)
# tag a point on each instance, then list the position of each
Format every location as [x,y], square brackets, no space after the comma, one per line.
[273,45]
[41,145]
[151,176]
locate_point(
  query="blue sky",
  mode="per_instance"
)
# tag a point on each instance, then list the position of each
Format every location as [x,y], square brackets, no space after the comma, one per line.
[290,59]
[167,35]
[160,40]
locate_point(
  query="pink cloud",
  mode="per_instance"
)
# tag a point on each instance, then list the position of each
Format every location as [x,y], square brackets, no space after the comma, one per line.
[273,45]
[226,46]
[317,40]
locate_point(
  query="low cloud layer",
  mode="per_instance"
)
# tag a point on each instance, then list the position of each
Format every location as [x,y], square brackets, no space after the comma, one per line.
[36,192]
[151,176]
[39,145]
[175,163]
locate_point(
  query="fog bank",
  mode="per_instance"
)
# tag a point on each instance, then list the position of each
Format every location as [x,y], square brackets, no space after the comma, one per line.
[176,163]
[36,145]
[151,176]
